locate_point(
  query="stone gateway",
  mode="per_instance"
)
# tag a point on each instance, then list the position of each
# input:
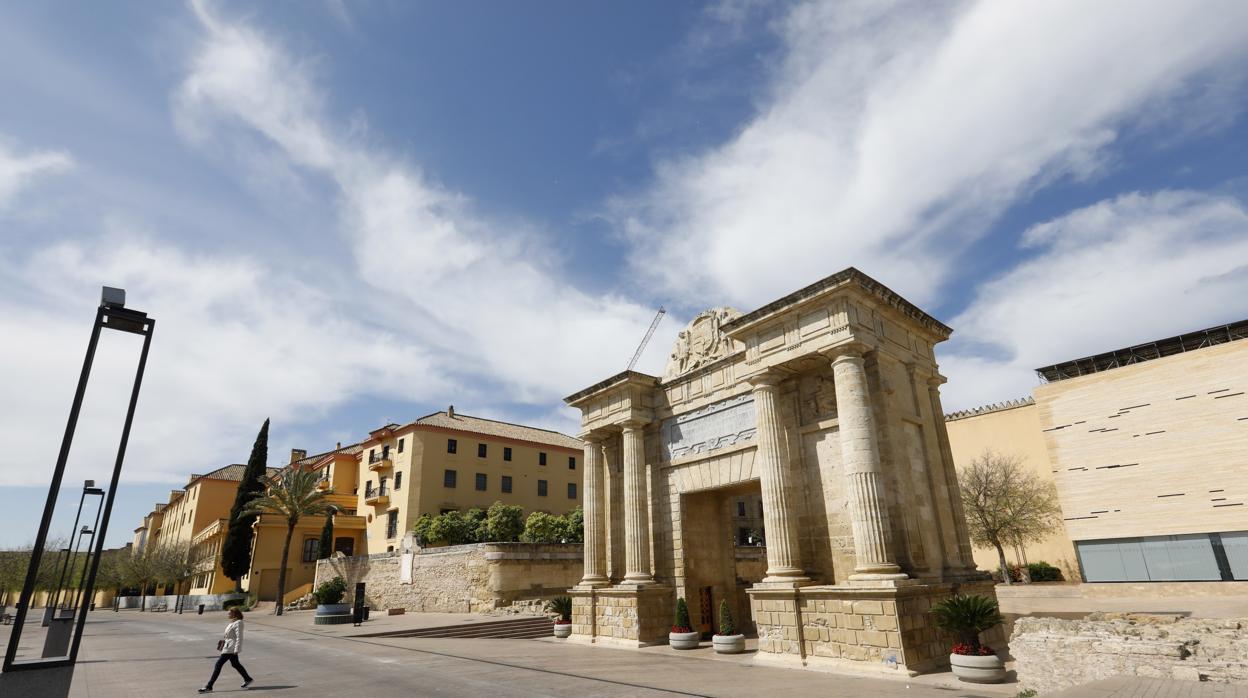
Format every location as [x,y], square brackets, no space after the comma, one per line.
[827,403]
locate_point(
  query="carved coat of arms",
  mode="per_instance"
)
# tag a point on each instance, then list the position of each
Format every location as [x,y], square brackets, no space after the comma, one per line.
[702,341]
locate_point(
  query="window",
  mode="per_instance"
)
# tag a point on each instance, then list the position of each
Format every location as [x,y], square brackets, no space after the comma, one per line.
[1157,559]
[310,547]
[571,462]
[346,546]
[392,523]
[480,450]
[541,488]
[385,452]
[448,478]
[398,480]
[541,458]
[446,511]
[400,447]
[571,490]
[372,458]
[507,453]
[740,507]
[507,483]
[451,446]
[480,482]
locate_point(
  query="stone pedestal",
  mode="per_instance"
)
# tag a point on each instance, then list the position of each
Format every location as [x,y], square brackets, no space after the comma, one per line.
[626,615]
[884,626]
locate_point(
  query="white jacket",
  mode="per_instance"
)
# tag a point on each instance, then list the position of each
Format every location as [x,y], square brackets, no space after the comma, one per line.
[233,638]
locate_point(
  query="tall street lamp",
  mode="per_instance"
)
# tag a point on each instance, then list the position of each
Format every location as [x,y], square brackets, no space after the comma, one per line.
[52,675]
[88,487]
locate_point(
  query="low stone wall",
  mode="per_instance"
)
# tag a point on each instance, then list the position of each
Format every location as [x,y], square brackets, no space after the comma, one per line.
[1054,654]
[476,578]
[190,602]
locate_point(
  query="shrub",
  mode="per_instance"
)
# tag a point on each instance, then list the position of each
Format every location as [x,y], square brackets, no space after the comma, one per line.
[330,592]
[726,625]
[453,528]
[504,522]
[573,525]
[965,617]
[541,527]
[682,624]
[421,529]
[562,606]
[1044,572]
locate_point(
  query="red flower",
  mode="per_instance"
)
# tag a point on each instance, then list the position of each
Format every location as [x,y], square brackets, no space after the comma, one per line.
[681,629]
[968,649]
[560,621]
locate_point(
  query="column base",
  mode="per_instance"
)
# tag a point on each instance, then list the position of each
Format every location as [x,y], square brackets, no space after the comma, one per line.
[872,577]
[630,615]
[593,583]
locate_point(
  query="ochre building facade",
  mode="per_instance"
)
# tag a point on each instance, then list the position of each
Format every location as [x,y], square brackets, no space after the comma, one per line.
[827,404]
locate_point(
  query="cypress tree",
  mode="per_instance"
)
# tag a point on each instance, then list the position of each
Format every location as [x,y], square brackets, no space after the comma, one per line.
[236,550]
[327,536]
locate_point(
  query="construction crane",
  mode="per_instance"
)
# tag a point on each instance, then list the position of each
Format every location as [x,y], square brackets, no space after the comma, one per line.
[646,340]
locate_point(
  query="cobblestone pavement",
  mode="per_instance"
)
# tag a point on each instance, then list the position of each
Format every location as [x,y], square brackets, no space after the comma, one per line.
[1129,687]
[135,655]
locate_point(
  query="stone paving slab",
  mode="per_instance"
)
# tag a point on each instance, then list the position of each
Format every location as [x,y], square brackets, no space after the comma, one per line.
[1135,687]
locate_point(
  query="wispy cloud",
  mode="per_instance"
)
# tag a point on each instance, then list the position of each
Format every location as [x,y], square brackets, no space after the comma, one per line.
[20,171]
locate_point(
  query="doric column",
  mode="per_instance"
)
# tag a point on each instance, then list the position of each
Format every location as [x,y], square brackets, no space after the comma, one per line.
[965,554]
[636,506]
[860,455]
[784,562]
[595,525]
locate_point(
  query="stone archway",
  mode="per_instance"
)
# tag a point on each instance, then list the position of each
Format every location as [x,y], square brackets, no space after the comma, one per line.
[829,400]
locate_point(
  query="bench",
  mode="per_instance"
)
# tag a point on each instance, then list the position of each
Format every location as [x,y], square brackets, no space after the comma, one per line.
[6,618]
[160,608]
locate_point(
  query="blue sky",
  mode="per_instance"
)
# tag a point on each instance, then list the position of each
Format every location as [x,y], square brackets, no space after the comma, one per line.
[347,213]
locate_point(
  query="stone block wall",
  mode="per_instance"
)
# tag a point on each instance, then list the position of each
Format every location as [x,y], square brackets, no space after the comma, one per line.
[461,579]
[1052,654]
[623,616]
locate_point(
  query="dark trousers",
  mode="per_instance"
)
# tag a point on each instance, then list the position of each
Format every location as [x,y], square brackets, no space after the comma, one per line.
[233,660]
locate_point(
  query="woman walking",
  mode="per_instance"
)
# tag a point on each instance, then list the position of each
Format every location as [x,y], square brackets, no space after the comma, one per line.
[230,645]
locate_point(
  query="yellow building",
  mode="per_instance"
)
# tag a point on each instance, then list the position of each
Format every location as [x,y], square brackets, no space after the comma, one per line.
[453,462]
[1148,447]
[1011,429]
[339,477]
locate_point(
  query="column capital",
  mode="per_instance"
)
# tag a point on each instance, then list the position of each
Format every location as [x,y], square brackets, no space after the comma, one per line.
[633,424]
[847,351]
[936,381]
[593,436]
[767,379]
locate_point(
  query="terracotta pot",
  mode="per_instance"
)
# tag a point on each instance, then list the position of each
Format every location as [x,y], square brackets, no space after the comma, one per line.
[728,644]
[684,641]
[978,668]
[563,629]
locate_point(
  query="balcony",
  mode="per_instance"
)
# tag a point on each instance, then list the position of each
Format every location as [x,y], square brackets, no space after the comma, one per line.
[380,461]
[377,495]
[322,484]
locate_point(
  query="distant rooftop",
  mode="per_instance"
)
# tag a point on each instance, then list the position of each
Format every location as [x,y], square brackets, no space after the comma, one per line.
[1149,351]
[461,422]
[989,409]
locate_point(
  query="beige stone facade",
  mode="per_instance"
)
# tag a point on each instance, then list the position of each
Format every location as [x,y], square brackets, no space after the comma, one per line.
[1148,447]
[826,404]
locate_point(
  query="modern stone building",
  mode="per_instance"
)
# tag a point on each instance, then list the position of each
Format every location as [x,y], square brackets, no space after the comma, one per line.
[827,404]
[1148,446]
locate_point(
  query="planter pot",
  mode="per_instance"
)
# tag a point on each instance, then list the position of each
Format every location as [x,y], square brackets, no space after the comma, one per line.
[563,629]
[333,609]
[684,641]
[728,644]
[977,669]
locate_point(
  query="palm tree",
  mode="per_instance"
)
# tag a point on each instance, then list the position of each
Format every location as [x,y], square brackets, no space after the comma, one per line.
[293,496]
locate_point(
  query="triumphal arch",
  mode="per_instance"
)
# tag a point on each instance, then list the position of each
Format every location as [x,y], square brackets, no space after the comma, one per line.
[827,403]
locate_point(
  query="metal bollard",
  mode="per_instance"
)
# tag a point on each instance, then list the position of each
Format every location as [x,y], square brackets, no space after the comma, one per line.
[201,609]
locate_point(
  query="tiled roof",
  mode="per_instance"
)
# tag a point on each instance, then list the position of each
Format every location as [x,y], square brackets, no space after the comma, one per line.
[233,473]
[989,409]
[490,427]
[349,450]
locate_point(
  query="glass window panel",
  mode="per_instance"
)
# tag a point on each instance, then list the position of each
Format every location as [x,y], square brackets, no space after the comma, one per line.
[1236,547]
[1180,558]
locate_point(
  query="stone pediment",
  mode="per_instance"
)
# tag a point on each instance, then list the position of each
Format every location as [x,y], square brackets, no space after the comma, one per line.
[701,342]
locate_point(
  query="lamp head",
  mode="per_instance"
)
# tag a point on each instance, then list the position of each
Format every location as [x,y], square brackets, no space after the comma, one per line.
[113,297]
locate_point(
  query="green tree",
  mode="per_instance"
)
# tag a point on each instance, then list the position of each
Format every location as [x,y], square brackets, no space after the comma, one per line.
[421,529]
[573,526]
[1006,504]
[480,528]
[504,522]
[174,565]
[452,528]
[327,535]
[236,550]
[292,497]
[541,527]
[141,570]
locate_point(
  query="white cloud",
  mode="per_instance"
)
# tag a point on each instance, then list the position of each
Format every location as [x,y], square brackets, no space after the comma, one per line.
[487,294]
[893,136]
[235,342]
[1121,272]
[19,171]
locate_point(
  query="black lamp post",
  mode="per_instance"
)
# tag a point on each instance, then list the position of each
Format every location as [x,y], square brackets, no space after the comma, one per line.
[88,487]
[111,314]
[82,576]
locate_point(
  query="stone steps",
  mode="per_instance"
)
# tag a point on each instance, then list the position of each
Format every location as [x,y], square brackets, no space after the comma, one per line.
[516,628]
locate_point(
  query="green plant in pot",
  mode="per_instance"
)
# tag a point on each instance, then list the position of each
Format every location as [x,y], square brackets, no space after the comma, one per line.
[330,610]
[965,617]
[728,640]
[561,607]
[683,636]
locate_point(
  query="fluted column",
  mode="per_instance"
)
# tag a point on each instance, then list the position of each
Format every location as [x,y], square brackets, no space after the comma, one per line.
[636,507]
[784,562]
[860,456]
[965,554]
[595,525]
